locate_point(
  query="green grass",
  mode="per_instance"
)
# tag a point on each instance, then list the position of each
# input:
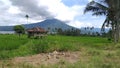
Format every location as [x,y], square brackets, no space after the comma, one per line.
[10,42]
[100,52]
[13,45]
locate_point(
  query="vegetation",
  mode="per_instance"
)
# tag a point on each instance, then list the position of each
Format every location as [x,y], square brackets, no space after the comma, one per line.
[69,32]
[19,29]
[11,45]
[110,9]
[100,52]
[27,16]
[94,52]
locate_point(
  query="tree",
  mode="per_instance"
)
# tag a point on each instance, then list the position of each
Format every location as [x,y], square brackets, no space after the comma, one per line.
[60,31]
[109,8]
[19,29]
[27,16]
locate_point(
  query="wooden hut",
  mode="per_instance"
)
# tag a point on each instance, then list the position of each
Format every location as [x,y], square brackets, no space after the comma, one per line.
[36,32]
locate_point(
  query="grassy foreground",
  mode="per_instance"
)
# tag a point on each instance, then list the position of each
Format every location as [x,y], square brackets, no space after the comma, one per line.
[96,52]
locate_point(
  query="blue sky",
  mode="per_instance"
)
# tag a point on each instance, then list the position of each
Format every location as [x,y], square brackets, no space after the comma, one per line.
[74,2]
[13,12]
[85,18]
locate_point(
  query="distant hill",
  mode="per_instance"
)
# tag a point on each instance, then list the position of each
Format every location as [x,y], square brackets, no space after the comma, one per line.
[52,24]
[49,23]
[94,30]
[6,28]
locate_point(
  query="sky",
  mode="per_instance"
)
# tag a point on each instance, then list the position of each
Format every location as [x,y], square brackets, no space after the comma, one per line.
[12,12]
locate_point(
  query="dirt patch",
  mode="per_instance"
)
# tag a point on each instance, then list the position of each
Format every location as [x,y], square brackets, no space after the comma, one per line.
[48,58]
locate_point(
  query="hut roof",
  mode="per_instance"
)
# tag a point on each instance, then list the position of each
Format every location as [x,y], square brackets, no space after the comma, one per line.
[37,29]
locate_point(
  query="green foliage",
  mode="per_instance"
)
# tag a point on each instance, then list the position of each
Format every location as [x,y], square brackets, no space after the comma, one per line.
[19,29]
[110,9]
[10,42]
[41,47]
[95,52]
[69,32]
[11,45]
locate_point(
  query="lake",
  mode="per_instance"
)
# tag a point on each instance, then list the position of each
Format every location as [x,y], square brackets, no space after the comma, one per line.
[7,32]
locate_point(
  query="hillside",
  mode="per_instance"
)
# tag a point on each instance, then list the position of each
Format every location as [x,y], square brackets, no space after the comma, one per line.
[49,23]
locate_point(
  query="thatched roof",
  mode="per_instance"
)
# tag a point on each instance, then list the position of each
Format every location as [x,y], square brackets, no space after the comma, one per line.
[37,29]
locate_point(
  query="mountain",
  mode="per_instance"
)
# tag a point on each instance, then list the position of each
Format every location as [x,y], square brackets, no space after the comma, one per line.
[49,23]
[6,28]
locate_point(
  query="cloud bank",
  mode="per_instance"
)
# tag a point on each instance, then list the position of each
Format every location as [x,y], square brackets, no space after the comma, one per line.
[32,8]
[13,12]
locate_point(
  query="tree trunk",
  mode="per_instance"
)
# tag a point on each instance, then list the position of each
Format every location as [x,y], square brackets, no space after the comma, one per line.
[117,31]
[115,35]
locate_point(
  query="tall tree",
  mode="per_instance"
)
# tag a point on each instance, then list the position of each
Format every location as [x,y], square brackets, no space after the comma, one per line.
[110,9]
[27,16]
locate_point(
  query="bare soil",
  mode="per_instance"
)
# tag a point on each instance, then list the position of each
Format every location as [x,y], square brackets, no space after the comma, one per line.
[48,58]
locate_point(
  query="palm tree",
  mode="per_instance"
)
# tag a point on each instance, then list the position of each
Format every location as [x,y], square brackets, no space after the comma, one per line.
[97,9]
[109,8]
[27,16]
[114,16]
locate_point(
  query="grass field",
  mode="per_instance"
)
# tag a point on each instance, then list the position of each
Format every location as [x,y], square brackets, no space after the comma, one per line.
[96,52]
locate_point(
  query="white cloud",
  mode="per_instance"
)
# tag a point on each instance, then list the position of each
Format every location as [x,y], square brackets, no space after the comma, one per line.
[13,12]
[61,11]
[79,24]
[90,0]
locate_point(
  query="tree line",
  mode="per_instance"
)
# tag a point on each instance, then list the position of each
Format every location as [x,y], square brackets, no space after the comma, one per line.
[19,29]
[69,32]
